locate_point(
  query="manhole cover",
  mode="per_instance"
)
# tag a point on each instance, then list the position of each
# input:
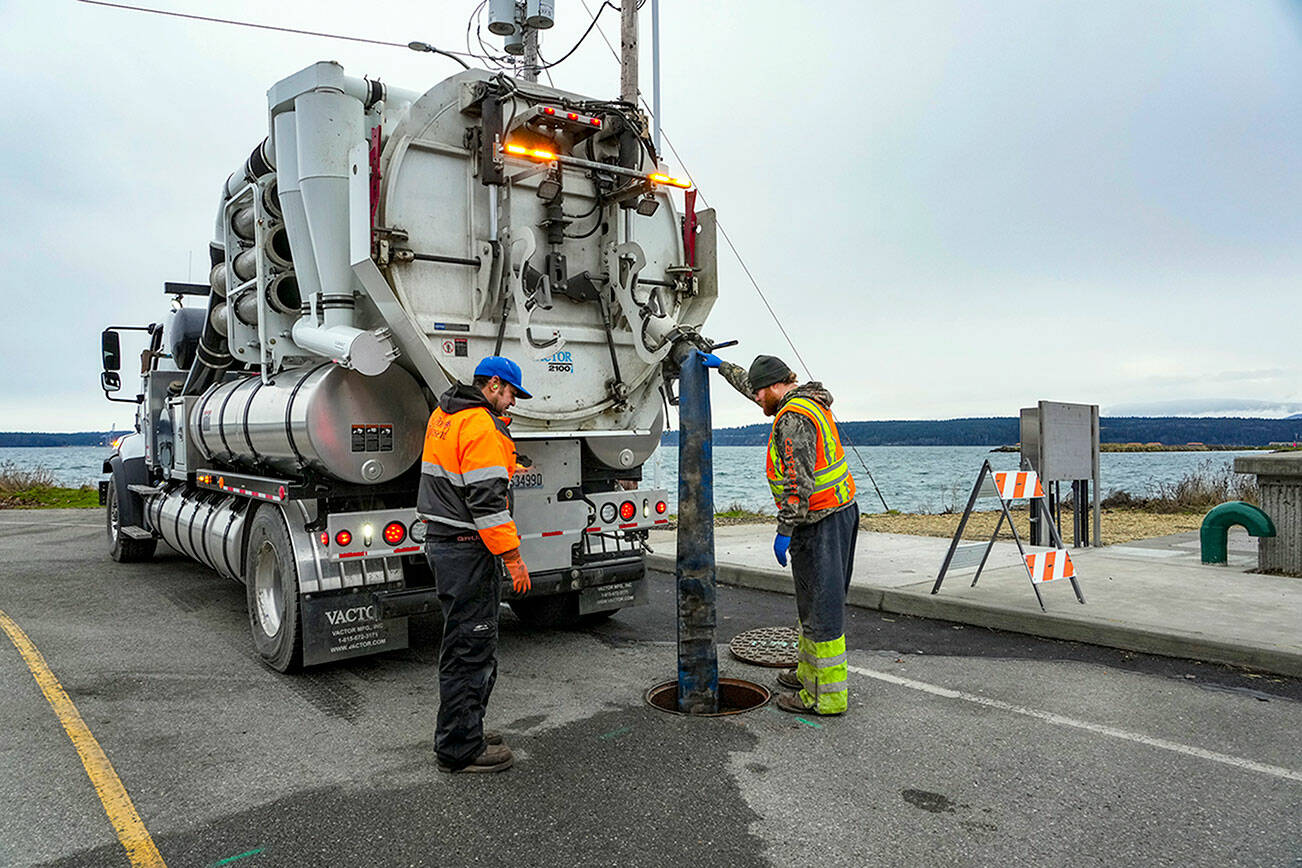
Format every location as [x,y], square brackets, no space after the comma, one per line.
[774,647]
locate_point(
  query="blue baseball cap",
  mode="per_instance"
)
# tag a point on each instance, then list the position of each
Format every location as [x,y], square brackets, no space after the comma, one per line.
[505,370]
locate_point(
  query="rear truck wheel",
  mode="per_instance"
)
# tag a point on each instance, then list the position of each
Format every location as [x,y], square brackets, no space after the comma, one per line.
[123,548]
[271,586]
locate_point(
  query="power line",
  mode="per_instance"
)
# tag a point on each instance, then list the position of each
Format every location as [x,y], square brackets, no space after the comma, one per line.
[211,20]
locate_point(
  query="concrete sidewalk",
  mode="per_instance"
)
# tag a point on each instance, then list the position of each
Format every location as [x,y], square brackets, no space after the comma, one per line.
[1153,596]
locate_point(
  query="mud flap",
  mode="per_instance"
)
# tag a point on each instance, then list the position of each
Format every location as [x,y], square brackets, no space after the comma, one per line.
[337,627]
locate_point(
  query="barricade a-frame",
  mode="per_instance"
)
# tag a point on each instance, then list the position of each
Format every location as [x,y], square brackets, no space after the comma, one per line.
[1040,566]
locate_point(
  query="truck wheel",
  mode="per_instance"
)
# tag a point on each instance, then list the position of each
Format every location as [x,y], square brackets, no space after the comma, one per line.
[271,586]
[123,548]
[553,612]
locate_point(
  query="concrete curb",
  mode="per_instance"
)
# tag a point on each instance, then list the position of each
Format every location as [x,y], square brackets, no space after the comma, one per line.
[1109,634]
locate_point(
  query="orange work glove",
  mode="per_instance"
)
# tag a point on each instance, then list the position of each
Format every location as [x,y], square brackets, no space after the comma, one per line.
[519,572]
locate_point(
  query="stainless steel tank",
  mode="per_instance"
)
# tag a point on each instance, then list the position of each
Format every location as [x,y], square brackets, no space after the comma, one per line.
[327,418]
[204,525]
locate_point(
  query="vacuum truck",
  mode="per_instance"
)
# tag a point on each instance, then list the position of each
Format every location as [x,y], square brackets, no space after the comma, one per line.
[366,255]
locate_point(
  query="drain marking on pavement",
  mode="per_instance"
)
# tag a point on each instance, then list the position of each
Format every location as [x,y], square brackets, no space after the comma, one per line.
[1100,729]
[238,857]
[616,733]
[117,804]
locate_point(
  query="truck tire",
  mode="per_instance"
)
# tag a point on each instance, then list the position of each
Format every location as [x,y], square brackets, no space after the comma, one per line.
[553,612]
[271,587]
[123,548]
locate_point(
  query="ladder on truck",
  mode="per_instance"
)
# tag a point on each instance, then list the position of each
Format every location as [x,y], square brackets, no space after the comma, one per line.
[1041,564]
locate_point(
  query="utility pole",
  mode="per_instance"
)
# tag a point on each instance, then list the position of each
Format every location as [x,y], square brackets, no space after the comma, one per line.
[628,51]
[531,54]
[655,75]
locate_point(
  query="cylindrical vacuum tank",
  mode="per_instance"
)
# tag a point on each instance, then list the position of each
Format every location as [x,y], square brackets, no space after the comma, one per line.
[330,419]
[204,525]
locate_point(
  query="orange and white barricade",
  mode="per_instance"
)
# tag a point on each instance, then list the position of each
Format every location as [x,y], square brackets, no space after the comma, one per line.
[1042,565]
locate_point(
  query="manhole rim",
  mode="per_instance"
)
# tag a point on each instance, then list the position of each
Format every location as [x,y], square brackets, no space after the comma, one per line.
[733,682]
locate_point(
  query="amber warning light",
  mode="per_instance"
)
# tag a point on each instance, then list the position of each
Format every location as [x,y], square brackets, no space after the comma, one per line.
[518,150]
[661,178]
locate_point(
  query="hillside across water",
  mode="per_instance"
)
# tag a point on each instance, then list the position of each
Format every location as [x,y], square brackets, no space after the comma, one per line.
[999,431]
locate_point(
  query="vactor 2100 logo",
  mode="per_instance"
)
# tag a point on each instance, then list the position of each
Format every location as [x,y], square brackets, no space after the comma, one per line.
[560,362]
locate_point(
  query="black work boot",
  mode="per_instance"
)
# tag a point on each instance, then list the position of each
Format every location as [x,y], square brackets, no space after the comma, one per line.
[493,758]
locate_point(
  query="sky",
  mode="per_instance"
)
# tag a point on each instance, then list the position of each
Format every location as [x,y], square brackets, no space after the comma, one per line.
[955,209]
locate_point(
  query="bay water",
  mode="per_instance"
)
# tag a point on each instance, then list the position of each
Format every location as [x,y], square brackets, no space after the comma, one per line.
[911,478]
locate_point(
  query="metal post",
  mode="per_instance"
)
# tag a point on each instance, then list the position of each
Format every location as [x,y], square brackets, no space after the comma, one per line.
[628,51]
[698,660]
[655,75]
[531,54]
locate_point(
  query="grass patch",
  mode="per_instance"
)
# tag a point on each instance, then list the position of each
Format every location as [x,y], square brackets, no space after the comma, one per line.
[37,488]
[1209,484]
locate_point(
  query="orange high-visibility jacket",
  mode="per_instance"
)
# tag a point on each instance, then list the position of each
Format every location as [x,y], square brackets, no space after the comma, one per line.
[832,485]
[466,470]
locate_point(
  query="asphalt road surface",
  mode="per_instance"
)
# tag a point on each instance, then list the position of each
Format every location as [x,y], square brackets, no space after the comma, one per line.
[962,746]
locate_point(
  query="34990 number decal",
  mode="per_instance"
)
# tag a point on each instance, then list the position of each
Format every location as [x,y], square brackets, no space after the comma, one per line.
[527,479]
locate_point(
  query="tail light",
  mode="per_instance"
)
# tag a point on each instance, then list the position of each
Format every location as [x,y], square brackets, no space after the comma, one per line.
[627,510]
[662,507]
[343,538]
[395,532]
[325,538]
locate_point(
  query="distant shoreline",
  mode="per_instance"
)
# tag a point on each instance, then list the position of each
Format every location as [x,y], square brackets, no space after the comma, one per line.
[1164,447]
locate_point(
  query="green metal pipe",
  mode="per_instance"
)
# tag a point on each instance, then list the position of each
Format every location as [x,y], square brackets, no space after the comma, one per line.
[1216,528]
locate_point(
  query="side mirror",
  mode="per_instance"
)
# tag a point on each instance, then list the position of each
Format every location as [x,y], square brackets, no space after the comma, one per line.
[111,348]
[109,381]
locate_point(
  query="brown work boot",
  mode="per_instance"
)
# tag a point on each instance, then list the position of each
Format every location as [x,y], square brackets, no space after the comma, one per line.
[493,758]
[793,703]
[787,678]
[492,736]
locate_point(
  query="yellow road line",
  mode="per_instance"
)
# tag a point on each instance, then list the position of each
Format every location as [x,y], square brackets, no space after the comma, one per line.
[117,804]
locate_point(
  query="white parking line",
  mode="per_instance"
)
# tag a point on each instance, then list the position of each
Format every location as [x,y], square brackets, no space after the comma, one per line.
[49,524]
[1100,729]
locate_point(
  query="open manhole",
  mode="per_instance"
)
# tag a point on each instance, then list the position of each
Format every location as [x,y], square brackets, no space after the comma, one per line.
[735,696]
[775,647]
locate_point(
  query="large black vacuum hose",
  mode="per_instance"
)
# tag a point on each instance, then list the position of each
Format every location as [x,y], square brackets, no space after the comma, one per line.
[214,355]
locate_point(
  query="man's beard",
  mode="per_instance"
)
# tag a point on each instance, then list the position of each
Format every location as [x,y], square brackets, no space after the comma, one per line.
[770,404]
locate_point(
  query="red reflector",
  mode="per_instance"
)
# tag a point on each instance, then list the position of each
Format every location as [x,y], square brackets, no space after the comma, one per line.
[661,507]
[627,510]
[548,110]
[572,116]
[395,532]
[325,538]
[343,538]
[596,122]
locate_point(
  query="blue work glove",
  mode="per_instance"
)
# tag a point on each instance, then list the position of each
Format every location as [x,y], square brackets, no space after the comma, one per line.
[710,360]
[780,544]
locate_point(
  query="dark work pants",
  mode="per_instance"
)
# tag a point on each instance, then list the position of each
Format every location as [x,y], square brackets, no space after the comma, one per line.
[822,559]
[469,591]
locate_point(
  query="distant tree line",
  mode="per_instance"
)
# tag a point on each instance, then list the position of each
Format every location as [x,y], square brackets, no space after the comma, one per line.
[39,438]
[1004,431]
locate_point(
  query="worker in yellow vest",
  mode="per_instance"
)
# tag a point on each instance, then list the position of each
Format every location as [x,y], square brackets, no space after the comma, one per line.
[818,520]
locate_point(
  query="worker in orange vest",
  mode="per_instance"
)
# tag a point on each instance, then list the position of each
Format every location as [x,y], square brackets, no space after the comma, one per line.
[466,471]
[818,520]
